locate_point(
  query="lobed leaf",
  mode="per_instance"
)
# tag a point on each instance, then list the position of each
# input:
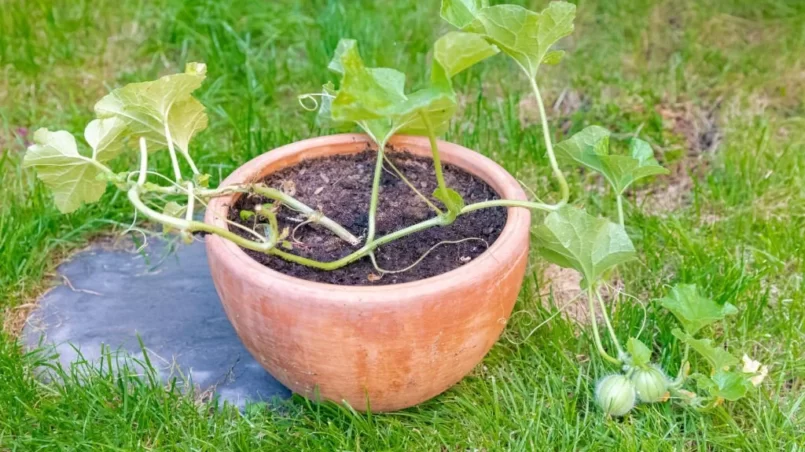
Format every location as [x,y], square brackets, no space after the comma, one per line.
[460,13]
[590,148]
[730,386]
[524,35]
[72,177]
[693,310]
[571,238]
[146,109]
[720,359]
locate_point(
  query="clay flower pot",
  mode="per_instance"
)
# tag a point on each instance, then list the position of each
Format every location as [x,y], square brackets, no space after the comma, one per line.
[380,347]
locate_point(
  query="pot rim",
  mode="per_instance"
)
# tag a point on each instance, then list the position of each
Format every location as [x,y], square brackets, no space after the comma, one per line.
[468,160]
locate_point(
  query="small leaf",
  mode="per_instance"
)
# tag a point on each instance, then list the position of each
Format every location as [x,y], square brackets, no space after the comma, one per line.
[202,180]
[246,214]
[72,177]
[524,35]
[641,355]
[451,199]
[553,57]
[459,13]
[720,359]
[730,386]
[571,238]
[590,148]
[147,108]
[693,310]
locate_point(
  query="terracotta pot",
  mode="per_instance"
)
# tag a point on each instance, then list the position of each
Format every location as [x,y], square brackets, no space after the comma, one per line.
[385,347]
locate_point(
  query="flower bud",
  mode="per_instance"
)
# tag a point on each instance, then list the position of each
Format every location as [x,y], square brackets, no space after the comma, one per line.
[650,384]
[615,395]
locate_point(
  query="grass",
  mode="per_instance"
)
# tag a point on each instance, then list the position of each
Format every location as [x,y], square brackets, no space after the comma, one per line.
[654,66]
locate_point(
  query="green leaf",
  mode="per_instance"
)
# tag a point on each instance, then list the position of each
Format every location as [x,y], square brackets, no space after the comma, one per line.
[72,177]
[147,108]
[105,137]
[202,180]
[553,57]
[451,199]
[720,359]
[590,148]
[324,117]
[572,238]
[693,310]
[455,52]
[730,386]
[459,13]
[641,355]
[585,148]
[438,105]
[524,35]
[365,93]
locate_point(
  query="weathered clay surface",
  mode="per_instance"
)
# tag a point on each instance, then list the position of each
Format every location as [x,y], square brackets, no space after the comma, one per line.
[166,298]
[391,346]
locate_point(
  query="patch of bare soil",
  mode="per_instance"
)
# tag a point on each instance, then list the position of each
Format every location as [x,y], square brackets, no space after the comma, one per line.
[697,126]
[699,130]
[564,286]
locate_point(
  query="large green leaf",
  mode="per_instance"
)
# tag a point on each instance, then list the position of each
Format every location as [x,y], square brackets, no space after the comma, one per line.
[72,177]
[720,359]
[572,238]
[693,310]
[590,148]
[460,13]
[727,385]
[148,108]
[524,35]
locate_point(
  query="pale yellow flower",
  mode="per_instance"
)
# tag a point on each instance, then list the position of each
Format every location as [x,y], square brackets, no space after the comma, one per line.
[754,367]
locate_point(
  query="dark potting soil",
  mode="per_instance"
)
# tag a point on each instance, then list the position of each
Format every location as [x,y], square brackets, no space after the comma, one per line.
[340,187]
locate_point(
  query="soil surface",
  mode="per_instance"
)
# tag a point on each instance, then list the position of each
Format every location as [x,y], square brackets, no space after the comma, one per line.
[340,187]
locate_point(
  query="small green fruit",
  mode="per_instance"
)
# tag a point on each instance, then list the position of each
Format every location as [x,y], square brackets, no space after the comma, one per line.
[650,384]
[615,395]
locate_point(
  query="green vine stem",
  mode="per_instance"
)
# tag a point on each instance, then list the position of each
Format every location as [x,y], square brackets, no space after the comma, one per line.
[620,210]
[196,226]
[434,149]
[684,368]
[594,322]
[609,324]
[174,161]
[564,189]
[373,201]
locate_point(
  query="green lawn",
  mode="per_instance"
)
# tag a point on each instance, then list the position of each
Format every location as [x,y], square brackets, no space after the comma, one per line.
[717,87]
